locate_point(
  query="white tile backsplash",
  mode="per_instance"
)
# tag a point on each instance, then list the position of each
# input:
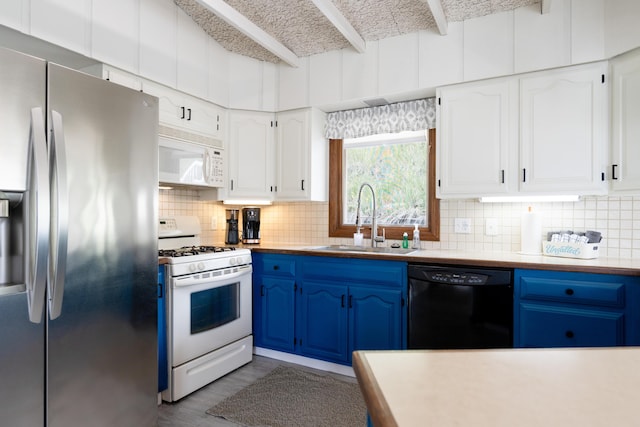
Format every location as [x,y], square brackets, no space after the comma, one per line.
[306,223]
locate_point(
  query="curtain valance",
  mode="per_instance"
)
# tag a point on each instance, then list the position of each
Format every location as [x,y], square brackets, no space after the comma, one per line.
[391,118]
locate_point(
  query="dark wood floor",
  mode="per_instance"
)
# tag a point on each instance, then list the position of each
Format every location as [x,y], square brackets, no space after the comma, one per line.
[190,411]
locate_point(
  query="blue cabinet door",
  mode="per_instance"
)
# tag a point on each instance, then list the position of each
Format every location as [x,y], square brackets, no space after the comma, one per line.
[275,326]
[375,319]
[322,323]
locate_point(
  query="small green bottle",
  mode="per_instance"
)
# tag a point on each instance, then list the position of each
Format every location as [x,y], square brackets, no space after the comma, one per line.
[405,240]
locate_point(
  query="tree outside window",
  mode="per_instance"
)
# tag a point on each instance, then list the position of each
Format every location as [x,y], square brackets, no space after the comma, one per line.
[396,166]
[400,168]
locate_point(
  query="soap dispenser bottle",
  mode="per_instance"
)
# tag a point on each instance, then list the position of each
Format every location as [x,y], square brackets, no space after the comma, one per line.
[405,240]
[416,237]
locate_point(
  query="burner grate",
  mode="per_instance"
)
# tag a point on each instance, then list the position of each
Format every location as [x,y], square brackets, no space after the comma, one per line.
[193,250]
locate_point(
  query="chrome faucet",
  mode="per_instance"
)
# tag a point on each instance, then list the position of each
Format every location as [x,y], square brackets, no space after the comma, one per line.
[374,222]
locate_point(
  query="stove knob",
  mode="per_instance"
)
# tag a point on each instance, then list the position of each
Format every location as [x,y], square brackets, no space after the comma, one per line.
[232,261]
[192,268]
[201,266]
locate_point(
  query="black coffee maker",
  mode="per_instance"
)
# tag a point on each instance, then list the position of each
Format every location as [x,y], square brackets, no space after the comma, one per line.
[250,225]
[232,227]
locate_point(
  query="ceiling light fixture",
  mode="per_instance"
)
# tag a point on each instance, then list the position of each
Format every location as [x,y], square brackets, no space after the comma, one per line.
[526,199]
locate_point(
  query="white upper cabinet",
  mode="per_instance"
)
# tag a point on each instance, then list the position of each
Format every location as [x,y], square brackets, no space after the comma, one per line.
[180,111]
[563,130]
[302,153]
[477,123]
[537,133]
[251,155]
[625,124]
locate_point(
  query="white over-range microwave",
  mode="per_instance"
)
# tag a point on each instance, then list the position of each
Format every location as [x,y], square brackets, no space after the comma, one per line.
[187,163]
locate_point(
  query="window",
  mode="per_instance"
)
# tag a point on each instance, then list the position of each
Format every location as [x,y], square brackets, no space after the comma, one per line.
[401,169]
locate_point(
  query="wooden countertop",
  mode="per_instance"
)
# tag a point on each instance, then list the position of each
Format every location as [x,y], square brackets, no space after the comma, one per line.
[624,266]
[493,388]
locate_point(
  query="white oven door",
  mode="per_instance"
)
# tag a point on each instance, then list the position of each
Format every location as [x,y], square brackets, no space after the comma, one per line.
[209,310]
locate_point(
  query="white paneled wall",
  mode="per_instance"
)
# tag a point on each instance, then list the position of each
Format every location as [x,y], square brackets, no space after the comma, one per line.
[441,59]
[157,40]
[398,64]
[588,36]
[622,32]
[617,218]
[488,46]
[246,84]
[66,23]
[494,45]
[544,40]
[115,23]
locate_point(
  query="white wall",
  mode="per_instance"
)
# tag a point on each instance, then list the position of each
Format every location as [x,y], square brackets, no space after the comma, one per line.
[151,38]
[307,223]
[622,26]
[155,39]
[412,65]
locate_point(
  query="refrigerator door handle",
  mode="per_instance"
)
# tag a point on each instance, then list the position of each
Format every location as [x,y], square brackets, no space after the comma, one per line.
[38,207]
[59,215]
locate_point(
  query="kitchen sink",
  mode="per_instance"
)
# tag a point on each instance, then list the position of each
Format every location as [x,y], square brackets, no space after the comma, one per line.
[364,249]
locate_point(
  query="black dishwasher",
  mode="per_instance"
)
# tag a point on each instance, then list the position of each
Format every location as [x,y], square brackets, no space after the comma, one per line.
[459,307]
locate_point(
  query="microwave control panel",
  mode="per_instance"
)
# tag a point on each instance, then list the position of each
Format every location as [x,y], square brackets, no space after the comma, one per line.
[214,167]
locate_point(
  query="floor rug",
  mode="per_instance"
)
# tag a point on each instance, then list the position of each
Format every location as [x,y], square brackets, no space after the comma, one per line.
[288,397]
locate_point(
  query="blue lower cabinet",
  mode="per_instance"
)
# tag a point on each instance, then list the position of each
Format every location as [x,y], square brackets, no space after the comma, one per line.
[322,326]
[275,328]
[326,308]
[565,309]
[375,317]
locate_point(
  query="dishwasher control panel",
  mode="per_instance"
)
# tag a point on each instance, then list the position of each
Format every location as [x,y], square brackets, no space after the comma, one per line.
[456,278]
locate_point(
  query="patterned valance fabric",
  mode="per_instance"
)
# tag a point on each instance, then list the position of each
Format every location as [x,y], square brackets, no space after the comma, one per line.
[392,118]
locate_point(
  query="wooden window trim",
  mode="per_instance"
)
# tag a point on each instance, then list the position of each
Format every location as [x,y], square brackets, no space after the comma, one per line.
[338,229]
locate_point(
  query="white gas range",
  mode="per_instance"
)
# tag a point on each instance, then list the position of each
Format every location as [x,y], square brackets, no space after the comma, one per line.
[208,307]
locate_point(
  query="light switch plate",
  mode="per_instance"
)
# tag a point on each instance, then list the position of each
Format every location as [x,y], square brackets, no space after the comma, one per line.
[491,227]
[462,225]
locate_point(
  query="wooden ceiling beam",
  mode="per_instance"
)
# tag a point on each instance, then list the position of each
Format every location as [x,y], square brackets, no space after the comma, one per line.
[238,21]
[341,23]
[438,14]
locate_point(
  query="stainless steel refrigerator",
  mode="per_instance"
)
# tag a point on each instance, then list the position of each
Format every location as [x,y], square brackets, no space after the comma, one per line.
[78,249]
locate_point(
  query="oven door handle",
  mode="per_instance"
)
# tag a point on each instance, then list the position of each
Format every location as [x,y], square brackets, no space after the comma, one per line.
[197,279]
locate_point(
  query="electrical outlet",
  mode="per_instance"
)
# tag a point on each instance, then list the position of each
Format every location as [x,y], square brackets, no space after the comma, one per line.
[491,227]
[214,223]
[462,225]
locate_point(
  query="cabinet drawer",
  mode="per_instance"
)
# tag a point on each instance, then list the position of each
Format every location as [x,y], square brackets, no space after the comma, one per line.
[279,265]
[608,294]
[553,326]
[388,273]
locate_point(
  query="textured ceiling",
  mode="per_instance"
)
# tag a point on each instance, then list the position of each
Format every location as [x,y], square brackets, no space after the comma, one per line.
[303,29]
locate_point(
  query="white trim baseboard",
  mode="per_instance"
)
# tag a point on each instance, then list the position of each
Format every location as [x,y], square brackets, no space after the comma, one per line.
[305,361]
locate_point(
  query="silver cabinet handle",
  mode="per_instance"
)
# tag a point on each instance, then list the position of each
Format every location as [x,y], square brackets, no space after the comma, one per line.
[38,204]
[59,216]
